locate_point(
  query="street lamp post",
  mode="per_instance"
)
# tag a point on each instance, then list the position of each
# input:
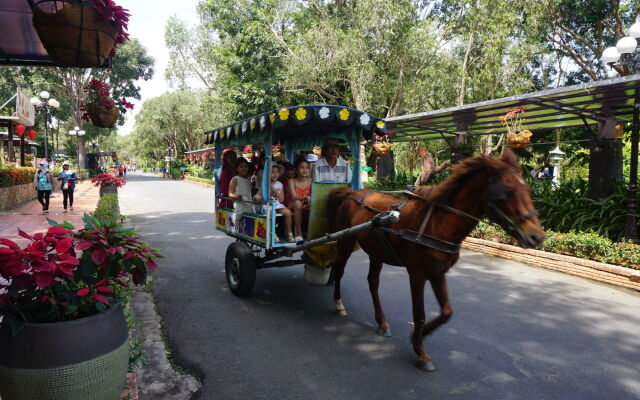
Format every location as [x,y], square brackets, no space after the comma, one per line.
[77,132]
[44,103]
[627,55]
[555,156]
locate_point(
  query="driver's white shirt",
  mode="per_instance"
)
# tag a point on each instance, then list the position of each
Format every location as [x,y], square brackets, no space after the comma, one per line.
[341,172]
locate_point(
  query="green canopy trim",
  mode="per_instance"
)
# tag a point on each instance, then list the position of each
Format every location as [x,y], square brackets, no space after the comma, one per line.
[305,120]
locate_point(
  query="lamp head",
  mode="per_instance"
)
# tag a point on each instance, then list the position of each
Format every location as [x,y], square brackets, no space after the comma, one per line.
[44,94]
[35,101]
[634,31]
[53,103]
[626,45]
[72,132]
[610,55]
[81,133]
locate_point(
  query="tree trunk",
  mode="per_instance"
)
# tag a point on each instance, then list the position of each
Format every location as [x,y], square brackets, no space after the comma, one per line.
[429,166]
[605,160]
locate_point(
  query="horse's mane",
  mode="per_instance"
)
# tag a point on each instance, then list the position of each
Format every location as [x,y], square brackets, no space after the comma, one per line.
[463,171]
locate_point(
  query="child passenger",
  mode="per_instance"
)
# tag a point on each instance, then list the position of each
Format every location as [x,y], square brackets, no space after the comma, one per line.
[300,194]
[277,197]
[240,187]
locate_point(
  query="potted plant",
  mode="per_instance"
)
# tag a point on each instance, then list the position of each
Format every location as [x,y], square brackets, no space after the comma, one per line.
[516,137]
[108,183]
[63,334]
[99,108]
[80,33]
[382,145]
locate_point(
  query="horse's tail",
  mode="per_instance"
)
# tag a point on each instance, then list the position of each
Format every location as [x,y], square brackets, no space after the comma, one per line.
[336,196]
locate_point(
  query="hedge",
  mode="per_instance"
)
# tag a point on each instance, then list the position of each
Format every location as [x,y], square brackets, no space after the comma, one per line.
[11,176]
[108,208]
[587,245]
[201,180]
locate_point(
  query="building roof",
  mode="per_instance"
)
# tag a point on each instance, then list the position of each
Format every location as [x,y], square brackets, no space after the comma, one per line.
[587,103]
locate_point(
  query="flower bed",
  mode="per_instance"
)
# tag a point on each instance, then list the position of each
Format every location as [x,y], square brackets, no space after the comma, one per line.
[103,180]
[16,176]
[200,180]
[586,245]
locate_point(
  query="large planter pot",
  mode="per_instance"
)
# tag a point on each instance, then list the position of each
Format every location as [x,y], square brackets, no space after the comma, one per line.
[81,359]
[74,35]
[108,189]
[103,117]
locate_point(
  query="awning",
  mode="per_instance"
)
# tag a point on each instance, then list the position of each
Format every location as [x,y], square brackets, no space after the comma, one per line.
[19,41]
[588,103]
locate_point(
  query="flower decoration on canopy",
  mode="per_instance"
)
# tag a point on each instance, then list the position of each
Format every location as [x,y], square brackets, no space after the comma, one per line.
[380,124]
[344,114]
[365,119]
[324,112]
[272,117]
[301,113]
[252,123]
[283,114]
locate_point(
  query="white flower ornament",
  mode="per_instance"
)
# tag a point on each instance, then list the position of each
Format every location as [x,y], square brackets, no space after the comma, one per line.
[324,112]
[365,119]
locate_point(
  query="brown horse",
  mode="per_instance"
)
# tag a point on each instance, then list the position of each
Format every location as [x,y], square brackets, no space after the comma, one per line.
[448,212]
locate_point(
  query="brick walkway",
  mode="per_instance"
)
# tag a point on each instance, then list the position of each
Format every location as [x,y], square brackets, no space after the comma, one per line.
[29,218]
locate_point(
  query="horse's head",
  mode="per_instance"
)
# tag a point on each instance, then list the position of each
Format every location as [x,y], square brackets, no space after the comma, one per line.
[509,202]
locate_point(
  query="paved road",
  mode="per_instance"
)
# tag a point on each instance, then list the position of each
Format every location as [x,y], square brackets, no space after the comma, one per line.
[517,332]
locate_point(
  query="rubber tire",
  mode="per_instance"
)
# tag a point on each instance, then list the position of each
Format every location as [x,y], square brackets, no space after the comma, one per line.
[246,276]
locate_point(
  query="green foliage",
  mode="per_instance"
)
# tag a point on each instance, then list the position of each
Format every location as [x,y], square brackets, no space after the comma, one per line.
[201,180]
[588,245]
[108,208]
[199,172]
[568,208]
[399,181]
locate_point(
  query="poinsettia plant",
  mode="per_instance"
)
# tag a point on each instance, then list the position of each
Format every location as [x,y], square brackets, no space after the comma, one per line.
[120,16]
[50,281]
[103,180]
[98,95]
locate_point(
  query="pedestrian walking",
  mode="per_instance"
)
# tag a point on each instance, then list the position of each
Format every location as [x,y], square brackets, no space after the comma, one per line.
[69,179]
[44,184]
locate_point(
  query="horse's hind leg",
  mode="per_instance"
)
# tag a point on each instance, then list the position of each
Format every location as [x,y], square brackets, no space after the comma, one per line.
[417,281]
[441,292]
[373,278]
[345,247]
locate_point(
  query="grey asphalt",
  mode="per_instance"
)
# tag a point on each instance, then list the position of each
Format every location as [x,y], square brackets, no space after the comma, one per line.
[517,332]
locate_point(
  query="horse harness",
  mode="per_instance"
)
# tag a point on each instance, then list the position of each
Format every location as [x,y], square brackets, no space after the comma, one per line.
[416,237]
[497,192]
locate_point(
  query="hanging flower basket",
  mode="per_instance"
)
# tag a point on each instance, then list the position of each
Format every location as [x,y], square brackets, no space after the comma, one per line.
[382,147]
[519,140]
[73,34]
[317,151]
[103,117]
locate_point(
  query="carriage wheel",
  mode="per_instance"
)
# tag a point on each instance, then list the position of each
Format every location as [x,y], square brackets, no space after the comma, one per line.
[240,268]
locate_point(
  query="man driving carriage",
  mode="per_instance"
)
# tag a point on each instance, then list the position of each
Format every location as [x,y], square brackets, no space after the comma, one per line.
[331,168]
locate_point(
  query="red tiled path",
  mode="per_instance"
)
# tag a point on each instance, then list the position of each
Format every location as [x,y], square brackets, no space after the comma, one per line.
[29,218]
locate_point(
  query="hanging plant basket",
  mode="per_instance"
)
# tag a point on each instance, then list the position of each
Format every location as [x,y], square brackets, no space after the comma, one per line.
[103,117]
[382,147]
[73,34]
[519,140]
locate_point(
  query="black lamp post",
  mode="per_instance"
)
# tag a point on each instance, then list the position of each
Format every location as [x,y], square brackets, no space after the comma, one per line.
[626,54]
[45,104]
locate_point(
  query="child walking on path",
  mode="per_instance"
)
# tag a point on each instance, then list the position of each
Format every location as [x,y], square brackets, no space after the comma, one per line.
[44,184]
[68,185]
[300,194]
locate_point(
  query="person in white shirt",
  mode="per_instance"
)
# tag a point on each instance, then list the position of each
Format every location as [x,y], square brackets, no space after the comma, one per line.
[331,168]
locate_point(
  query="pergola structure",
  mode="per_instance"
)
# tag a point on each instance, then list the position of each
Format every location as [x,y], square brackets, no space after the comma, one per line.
[604,103]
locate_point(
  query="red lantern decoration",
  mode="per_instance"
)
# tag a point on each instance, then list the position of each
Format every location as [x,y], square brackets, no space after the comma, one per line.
[32,135]
[20,129]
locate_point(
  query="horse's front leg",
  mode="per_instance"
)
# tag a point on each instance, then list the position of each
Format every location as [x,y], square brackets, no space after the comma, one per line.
[373,278]
[439,286]
[417,280]
[345,246]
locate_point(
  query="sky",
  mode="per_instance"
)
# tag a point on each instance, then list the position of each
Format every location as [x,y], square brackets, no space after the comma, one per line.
[147,24]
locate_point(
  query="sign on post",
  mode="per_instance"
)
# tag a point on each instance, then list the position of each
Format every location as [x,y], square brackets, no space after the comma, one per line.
[25,111]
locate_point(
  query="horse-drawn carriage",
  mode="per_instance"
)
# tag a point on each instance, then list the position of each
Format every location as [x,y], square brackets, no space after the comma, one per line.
[420,230]
[298,130]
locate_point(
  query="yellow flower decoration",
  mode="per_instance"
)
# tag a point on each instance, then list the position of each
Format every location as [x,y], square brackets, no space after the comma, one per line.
[344,114]
[222,134]
[301,113]
[272,117]
[283,114]
[380,124]
[252,124]
[235,129]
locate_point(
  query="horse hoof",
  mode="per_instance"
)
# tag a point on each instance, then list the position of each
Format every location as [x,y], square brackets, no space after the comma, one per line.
[384,332]
[426,366]
[341,313]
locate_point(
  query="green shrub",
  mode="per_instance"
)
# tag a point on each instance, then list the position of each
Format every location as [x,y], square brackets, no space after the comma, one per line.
[199,172]
[108,208]
[202,180]
[399,181]
[11,176]
[588,245]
